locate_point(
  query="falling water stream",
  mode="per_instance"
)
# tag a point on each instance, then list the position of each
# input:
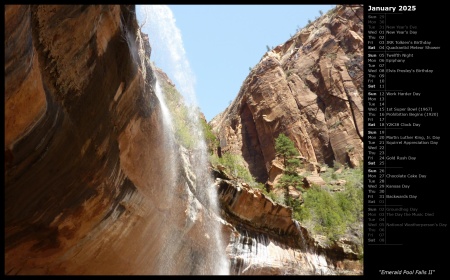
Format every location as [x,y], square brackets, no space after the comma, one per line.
[248,252]
[254,253]
[165,38]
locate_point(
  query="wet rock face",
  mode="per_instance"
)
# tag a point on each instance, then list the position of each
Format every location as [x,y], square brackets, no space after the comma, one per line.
[264,239]
[63,174]
[309,88]
[83,144]
[87,173]
[25,100]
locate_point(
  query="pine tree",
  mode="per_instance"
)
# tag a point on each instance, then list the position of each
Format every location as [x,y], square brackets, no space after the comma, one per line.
[286,149]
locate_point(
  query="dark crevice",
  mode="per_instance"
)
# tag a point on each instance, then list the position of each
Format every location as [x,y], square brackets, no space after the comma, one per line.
[251,147]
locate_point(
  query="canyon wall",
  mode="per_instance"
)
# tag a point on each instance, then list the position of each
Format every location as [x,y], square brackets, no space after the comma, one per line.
[264,239]
[309,88]
[85,157]
[87,174]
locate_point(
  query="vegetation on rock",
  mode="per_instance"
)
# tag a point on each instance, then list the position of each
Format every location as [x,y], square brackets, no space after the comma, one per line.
[211,140]
[235,166]
[332,211]
[286,149]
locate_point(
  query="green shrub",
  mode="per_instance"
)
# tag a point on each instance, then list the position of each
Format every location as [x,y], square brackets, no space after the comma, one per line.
[276,197]
[322,208]
[294,180]
[332,213]
[182,122]
[336,165]
[211,140]
[180,115]
[234,165]
[260,186]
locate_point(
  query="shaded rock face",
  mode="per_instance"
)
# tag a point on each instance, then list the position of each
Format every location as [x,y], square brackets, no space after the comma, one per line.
[83,146]
[309,88]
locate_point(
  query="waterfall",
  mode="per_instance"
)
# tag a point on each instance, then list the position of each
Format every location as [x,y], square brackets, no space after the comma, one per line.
[167,118]
[257,253]
[254,253]
[166,42]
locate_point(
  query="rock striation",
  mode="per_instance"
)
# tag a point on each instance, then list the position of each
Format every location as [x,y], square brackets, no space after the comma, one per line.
[265,239]
[309,88]
[86,169]
[86,156]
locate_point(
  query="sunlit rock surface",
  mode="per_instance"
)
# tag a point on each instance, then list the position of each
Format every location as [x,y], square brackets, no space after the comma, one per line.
[309,88]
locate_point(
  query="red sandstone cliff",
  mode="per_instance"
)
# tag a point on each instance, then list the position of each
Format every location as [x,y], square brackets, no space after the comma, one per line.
[85,171]
[86,168]
[309,88]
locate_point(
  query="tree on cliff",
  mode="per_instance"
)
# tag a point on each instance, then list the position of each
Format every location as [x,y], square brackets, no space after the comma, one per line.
[286,149]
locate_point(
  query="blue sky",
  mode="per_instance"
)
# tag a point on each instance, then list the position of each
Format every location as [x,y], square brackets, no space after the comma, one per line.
[219,43]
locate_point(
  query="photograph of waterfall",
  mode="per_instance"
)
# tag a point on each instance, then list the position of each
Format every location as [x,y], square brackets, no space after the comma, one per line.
[184,139]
